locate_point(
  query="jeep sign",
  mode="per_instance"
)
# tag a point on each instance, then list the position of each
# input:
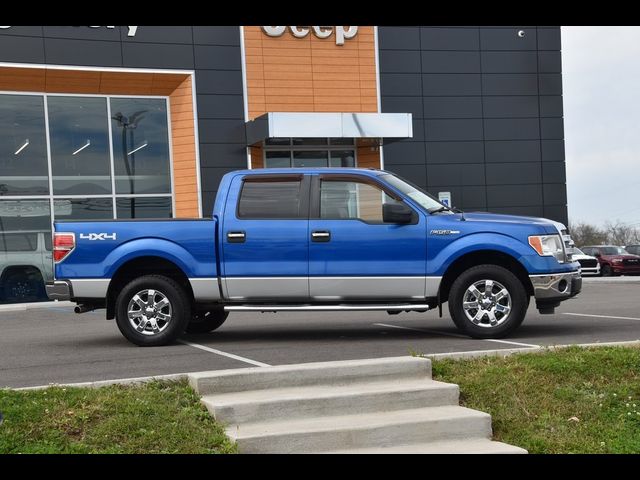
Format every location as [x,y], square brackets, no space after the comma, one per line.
[342,33]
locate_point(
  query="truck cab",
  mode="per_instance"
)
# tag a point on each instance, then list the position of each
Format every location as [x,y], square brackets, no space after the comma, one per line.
[316,239]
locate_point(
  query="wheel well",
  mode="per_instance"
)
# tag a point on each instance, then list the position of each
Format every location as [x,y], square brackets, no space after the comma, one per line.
[143,266]
[483,257]
[20,269]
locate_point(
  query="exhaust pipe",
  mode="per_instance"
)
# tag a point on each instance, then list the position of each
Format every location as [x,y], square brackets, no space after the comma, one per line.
[84,308]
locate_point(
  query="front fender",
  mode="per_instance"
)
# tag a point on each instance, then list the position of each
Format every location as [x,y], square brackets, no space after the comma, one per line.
[497,242]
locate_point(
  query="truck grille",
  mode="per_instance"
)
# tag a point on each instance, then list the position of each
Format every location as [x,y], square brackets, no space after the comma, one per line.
[588,263]
[632,262]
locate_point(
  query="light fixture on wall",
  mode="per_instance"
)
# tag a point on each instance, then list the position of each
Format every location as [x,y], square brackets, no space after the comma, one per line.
[521,33]
[22,147]
[86,145]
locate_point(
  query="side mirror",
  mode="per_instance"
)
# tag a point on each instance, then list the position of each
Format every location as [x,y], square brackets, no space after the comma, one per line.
[396,213]
[597,255]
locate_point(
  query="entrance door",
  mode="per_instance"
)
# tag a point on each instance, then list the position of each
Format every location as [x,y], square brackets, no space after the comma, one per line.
[353,253]
[265,244]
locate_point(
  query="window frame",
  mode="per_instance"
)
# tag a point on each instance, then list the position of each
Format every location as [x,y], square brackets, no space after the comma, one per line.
[328,148]
[303,179]
[314,206]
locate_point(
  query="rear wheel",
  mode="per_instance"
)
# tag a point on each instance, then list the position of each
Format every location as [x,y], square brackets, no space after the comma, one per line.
[152,310]
[23,286]
[488,301]
[207,322]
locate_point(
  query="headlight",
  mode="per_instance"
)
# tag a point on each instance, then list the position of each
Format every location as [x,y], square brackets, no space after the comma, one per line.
[616,260]
[548,246]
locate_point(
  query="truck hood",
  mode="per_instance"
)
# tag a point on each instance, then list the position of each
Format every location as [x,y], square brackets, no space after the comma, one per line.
[481,217]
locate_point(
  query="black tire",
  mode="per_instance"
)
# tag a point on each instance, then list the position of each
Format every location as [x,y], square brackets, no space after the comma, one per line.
[22,287]
[606,271]
[504,326]
[207,322]
[179,305]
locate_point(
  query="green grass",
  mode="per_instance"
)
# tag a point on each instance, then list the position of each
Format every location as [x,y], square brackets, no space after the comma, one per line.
[573,400]
[157,417]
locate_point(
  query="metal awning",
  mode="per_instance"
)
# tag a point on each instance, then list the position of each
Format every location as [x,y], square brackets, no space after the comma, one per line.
[329,125]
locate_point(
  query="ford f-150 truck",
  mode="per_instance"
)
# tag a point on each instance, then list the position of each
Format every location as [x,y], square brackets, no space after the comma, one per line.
[313,239]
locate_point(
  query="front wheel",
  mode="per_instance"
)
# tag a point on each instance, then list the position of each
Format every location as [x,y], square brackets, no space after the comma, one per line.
[488,301]
[606,271]
[152,310]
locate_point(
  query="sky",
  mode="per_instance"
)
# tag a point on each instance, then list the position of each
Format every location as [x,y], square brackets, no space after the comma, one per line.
[601,90]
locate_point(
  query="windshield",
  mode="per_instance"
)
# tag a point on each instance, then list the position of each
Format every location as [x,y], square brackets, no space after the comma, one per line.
[577,251]
[613,251]
[415,193]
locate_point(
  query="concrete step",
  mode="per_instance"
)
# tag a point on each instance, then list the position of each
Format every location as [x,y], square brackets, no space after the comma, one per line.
[472,446]
[321,373]
[326,400]
[368,430]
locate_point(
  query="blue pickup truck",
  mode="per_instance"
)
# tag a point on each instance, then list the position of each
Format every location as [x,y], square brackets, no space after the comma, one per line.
[313,239]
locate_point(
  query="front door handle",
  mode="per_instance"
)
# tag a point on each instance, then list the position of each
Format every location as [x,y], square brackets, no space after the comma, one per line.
[236,237]
[320,236]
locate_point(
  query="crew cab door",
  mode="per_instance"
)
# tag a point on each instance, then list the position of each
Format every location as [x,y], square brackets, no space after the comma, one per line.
[353,253]
[264,238]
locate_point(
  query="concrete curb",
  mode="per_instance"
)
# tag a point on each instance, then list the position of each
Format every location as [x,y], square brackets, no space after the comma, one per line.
[106,383]
[21,307]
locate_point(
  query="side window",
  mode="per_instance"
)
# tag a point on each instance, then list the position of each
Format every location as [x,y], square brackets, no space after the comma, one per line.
[271,199]
[351,200]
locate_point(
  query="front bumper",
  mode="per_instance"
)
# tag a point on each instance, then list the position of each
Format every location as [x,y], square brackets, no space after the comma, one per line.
[58,290]
[556,287]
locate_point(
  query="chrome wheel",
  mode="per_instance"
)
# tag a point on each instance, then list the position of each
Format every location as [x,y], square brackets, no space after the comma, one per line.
[149,312]
[487,303]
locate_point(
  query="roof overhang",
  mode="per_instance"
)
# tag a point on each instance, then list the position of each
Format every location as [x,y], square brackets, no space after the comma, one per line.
[329,125]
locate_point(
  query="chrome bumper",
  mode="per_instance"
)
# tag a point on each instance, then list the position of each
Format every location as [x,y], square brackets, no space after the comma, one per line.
[58,290]
[556,286]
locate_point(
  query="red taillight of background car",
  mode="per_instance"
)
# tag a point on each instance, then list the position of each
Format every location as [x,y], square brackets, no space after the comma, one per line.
[63,244]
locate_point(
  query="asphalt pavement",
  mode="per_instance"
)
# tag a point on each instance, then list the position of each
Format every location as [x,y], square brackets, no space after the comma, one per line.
[51,344]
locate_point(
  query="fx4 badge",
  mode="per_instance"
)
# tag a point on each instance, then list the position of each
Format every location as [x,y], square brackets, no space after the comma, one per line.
[97,236]
[444,232]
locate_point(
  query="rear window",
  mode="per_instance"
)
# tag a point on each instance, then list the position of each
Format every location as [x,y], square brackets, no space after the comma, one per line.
[18,242]
[270,199]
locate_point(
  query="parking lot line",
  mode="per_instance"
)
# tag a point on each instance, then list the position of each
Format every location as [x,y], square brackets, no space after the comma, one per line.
[225,354]
[600,316]
[447,334]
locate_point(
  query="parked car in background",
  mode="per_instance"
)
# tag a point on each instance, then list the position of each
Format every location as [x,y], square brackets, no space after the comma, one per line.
[614,260]
[25,266]
[633,249]
[588,264]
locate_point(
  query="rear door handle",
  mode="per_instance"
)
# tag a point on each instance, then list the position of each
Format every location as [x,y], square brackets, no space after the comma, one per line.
[236,237]
[320,236]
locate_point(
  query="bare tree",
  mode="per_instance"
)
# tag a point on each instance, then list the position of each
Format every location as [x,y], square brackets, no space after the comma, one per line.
[586,234]
[619,233]
[614,233]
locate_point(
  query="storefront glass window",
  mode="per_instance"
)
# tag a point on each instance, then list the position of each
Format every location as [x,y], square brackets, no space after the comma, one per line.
[144,207]
[79,136]
[83,209]
[23,148]
[309,152]
[140,145]
[342,158]
[280,159]
[310,158]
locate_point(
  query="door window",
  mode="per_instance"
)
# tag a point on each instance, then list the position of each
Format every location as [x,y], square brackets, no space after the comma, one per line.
[352,200]
[271,199]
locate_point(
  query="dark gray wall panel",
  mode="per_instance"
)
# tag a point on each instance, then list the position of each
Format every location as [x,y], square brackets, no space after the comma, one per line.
[550,84]
[457,174]
[549,39]
[510,84]
[211,177]
[454,152]
[219,35]
[404,153]
[551,128]
[414,173]
[513,173]
[511,129]
[168,34]
[513,151]
[448,130]
[552,150]
[412,105]
[514,195]
[451,84]
[557,212]
[549,62]
[452,107]
[219,82]
[527,211]
[156,55]
[82,52]
[450,62]
[28,31]
[221,131]
[555,194]
[231,155]
[554,172]
[21,49]
[401,61]
[400,38]
[220,106]
[551,106]
[400,84]
[439,38]
[507,38]
[83,33]
[509,62]
[217,57]
[512,106]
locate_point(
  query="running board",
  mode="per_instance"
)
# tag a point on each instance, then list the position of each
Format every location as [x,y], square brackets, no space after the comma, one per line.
[324,308]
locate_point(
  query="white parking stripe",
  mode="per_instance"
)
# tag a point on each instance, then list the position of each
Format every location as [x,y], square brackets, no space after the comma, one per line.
[225,354]
[447,334]
[600,316]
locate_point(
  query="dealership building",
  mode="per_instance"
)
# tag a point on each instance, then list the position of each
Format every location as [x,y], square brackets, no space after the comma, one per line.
[102,122]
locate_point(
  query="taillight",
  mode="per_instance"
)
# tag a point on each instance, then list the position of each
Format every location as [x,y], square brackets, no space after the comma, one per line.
[63,244]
